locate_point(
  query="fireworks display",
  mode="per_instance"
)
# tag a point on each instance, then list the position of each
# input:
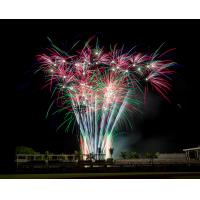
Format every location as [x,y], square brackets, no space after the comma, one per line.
[100,88]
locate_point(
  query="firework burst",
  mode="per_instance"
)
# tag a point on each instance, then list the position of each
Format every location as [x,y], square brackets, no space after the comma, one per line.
[100,88]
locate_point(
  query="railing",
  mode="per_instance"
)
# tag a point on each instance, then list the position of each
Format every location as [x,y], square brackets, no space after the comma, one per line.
[58,157]
[158,161]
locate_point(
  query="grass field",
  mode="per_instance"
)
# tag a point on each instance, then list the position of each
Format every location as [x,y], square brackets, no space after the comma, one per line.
[125,175]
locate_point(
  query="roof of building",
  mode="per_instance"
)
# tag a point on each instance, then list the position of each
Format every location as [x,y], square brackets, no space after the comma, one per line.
[191,149]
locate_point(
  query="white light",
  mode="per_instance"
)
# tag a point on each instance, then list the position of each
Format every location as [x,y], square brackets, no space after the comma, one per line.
[64,76]
[112,62]
[148,66]
[153,65]
[63,61]
[146,79]
[76,64]
[117,67]
[83,73]
[96,52]
[133,64]
[113,69]
[104,108]
[63,86]
[51,70]
[139,69]
[126,70]
[54,64]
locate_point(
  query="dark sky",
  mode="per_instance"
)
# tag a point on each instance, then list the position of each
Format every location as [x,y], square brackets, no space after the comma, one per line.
[164,127]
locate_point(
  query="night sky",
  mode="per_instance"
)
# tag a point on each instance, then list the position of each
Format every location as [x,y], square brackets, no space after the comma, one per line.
[164,127]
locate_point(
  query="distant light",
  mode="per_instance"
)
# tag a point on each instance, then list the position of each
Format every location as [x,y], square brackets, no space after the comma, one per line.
[133,64]
[54,64]
[64,76]
[126,70]
[117,67]
[112,62]
[83,73]
[146,79]
[139,69]
[51,70]
[63,61]
[63,86]
[113,69]
[179,105]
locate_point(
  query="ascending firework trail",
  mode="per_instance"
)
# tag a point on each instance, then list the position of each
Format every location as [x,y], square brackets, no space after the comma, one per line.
[100,88]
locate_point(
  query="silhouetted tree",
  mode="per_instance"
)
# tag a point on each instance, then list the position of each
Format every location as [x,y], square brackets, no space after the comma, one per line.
[24,150]
[123,155]
[151,156]
[111,150]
